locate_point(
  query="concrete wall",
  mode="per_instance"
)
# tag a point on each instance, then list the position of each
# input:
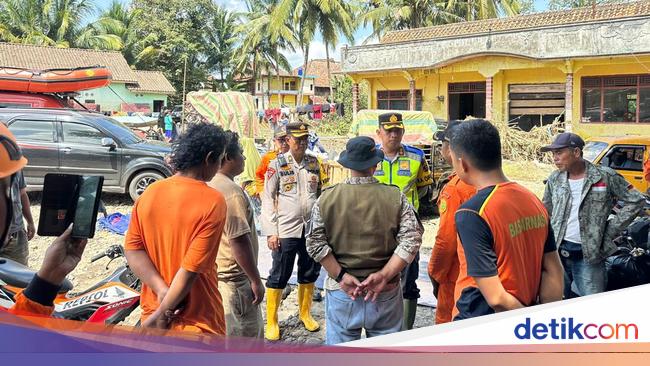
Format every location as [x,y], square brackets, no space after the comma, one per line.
[508,70]
[109,101]
[590,39]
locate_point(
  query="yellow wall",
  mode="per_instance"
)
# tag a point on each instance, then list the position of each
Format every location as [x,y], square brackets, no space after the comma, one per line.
[289,100]
[623,66]
[507,70]
[432,86]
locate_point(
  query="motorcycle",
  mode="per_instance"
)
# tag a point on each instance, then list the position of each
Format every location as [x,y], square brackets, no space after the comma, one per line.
[109,301]
[630,265]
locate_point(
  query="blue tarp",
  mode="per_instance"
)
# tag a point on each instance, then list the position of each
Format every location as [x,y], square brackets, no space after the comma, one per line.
[116,223]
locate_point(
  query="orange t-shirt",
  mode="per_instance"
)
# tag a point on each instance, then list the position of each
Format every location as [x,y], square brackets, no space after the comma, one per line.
[504,231]
[178,222]
[261,170]
[646,170]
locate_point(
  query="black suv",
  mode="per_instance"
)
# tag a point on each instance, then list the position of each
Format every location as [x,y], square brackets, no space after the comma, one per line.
[80,142]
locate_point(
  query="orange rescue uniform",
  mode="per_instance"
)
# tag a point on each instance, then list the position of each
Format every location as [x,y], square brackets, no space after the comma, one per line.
[27,307]
[261,171]
[443,264]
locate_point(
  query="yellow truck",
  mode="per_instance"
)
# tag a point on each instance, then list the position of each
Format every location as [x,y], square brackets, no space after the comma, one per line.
[625,154]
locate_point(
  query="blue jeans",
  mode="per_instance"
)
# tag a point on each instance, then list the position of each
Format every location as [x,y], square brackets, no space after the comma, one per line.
[345,318]
[582,278]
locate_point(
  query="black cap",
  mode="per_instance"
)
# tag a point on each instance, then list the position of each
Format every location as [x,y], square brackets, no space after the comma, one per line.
[563,140]
[445,135]
[297,129]
[360,154]
[391,120]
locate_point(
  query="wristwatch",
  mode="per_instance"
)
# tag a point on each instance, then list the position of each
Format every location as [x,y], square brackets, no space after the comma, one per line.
[339,278]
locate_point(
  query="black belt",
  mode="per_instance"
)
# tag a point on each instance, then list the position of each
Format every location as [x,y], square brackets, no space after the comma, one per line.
[570,253]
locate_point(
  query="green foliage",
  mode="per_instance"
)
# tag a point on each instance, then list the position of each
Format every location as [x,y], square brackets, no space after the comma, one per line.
[60,23]
[343,93]
[165,34]
[329,17]
[120,20]
[335,125]
[387,15]
[220,39]
[180,29]
[569,4]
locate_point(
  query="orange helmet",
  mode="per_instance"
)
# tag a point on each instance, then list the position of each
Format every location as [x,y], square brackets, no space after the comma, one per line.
[11,158]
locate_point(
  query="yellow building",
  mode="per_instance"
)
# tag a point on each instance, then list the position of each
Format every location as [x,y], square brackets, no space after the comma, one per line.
[271,91]
[590,67]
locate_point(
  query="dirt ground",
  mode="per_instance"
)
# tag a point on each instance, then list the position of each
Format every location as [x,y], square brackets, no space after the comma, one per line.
[87,274]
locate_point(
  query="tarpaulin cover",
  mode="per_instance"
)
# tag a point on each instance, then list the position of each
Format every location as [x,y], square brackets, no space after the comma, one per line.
[419,125]
[253,160]
[234,111]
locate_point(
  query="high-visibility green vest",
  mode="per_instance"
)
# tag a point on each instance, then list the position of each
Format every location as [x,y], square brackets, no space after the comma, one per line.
[403,172]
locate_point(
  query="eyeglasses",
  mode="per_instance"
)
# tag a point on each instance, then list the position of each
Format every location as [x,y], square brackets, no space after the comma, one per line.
[282,140]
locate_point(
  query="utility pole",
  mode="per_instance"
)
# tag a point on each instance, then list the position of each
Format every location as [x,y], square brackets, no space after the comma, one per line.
[184,83]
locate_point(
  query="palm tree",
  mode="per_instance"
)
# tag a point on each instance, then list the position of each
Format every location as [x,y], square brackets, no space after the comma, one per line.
[388,15]
[54,23]
[220,40]
[334,18]
[484,9]
[25,21]
[120,21]
[308,16]
[261,34]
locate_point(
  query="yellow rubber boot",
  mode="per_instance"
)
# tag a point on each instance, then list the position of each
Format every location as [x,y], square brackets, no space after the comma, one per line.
[273,297]
[305,292]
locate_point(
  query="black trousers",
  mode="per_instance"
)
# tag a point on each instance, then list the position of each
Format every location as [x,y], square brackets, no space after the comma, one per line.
[283,259]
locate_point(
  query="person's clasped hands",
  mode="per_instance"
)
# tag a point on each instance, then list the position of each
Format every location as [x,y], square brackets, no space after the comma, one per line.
[370,288]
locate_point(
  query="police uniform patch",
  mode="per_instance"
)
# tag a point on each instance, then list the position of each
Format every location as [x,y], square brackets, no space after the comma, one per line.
[270,172]
[443,206]
[404,168]
[405,165]
[288,187]
[313,183]
[287,178]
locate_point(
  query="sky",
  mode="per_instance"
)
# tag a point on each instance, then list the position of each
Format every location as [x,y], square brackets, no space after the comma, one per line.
[317,48]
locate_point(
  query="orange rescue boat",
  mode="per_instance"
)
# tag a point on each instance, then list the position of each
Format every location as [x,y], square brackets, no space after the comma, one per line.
[54,80]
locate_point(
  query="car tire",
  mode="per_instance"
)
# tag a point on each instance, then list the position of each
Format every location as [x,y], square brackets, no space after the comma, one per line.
[141,181]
